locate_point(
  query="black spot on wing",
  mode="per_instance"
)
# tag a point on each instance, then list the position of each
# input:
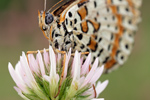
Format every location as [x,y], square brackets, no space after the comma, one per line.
[93,59]
[56,44]
[58,25]
[70,14]
[56,35]
[86,10]
[117,53]
[75,21]
[112,36]
[127,9]
[106,59]
[100,39]
[82,3]
[100,52]
[75,44]
[130,21]
[82,46]
[66,21]
[113,17]
[95,4]
[127,46]
[67,42]
[109,47]
[75,29]
[53,33]
[80,36]
[108,9]
[70,23]
[122,57]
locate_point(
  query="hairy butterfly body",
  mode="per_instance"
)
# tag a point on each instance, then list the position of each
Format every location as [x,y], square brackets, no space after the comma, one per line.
[103,27]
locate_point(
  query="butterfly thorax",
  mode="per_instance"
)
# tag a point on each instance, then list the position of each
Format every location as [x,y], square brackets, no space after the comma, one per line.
[60,38]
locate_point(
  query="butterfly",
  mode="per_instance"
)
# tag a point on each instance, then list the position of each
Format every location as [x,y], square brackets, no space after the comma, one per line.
[106,28]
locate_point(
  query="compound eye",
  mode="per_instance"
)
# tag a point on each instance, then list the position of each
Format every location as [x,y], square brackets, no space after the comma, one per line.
[49,18]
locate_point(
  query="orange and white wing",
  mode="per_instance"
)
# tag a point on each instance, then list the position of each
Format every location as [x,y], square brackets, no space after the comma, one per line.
[105,28]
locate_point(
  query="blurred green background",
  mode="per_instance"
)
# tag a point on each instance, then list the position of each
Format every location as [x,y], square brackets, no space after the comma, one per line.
[19,32]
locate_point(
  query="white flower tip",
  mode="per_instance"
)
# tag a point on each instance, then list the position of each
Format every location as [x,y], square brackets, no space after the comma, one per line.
[69,53]
[23,53]
[17,89]
[90,54]
[76,53]
[44,50]
[101,86]
[51,51]
[10,67]
[47,78]
[96,60]
[69,50]
[50,47]
[11,70]
[106,82]
[102,68]
[39,52]
[9,64]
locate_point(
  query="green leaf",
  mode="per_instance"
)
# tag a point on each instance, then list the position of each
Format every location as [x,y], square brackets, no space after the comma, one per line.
[65,84]
[79,92]
[31,96]
[41,86]
[46,87]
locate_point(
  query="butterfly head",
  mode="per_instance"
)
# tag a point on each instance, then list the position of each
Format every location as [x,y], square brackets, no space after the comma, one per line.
[45,21]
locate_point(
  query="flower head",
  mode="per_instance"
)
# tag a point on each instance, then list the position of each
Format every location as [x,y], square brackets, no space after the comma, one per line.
[57,77]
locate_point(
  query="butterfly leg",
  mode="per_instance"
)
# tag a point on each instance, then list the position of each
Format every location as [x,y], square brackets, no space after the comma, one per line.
[82,53]
[63,52]
[41,51]
[62,74]
[56,51]
[95,94]
[34,52]
[94,91]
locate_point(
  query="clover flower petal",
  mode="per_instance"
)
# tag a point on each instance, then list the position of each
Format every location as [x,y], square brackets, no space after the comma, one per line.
[39,77]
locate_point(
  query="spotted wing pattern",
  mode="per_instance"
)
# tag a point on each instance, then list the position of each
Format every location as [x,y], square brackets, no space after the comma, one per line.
[105,28]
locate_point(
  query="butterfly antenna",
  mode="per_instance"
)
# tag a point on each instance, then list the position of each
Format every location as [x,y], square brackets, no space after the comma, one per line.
[44,5]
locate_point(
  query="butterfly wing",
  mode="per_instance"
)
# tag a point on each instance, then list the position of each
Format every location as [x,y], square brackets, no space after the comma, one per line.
[105,28]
